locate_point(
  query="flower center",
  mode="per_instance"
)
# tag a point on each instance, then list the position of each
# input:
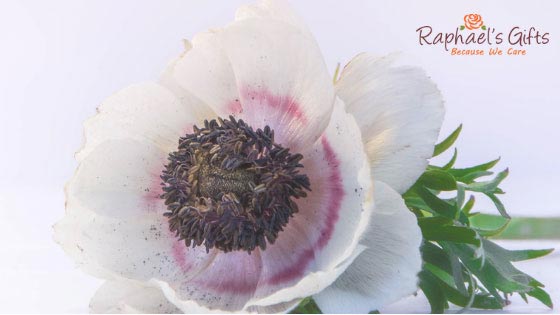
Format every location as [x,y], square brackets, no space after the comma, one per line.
[231,187]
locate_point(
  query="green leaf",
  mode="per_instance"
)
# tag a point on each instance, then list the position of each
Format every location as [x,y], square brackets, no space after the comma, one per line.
[471,177]
[490,225]
[435,204]
[526,254]
[499,205]
[434,221]
[497,272]
[460,199]
[457,271]
[517,255]
[440,274]
[448,142]
[460,172]
[524,297]
[480,300]
[452,161]
[493,232]
[483,27]
[542,296]
[488,275]
[438,180]
[307,306]
[433,291]
[488,186]
[436,256]
[469,205]
[462,27]
[413,201]
[456,234]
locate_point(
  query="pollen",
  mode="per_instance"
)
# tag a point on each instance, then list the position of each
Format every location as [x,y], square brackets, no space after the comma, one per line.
[231,187]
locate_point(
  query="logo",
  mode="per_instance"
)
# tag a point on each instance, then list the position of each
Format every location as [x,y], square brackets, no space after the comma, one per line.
[472,22]
[475,38]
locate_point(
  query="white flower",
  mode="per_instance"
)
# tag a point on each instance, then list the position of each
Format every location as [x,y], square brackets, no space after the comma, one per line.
[365,139]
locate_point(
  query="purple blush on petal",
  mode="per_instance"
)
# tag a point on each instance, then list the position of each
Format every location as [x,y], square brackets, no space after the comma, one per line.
[179,253]
[335,194]
[257,99]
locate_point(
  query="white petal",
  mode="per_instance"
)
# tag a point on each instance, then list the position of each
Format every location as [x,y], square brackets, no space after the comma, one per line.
[399,110]
[321,239]
[265,72]
[226,284]
[114,219]
[135,248]
[141,247]
[312,283]
[130,297]
[279,308]
[197,106]
[119,178]
[145,112]
[205,71]
[272,9]
[387,270]
[142,250]
[191,307]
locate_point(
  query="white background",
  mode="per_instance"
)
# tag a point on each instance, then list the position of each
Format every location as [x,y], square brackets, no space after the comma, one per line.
[60,59]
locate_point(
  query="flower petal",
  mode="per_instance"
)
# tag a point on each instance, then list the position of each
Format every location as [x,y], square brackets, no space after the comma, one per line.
[130,297]
[194,104]
[272,9]
[139,248]
[400,112]
[142,248]
[323,236]
[205,71]
[114,219]
[279,308]
[119,178]
[226,284]
[192,307]
[387,270]
[264,71]
[145,112]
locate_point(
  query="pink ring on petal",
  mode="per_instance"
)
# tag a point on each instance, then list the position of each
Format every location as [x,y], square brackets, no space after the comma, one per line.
[258,106]
[296,251]
[180,255]
[261,96]
[334,195]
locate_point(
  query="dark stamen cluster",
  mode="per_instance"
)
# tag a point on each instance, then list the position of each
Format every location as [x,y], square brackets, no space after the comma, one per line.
[231,187]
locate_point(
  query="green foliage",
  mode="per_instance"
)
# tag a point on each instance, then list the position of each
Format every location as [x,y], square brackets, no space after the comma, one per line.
[307,306]
[462,266]
[519,228]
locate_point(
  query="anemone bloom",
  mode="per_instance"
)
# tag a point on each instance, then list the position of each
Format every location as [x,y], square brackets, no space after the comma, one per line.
[245,180]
